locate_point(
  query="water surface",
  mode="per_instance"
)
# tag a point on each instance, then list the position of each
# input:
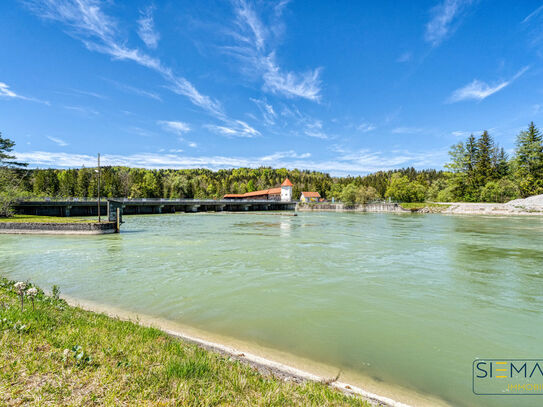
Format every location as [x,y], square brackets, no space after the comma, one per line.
[404,299]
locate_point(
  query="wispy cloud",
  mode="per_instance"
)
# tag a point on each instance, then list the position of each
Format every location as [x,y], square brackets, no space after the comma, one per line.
[366,127]
[446,17]
[176,127]
[533,14]
[267,111]
[236,128]
[146,28]
[407,130]
[58,141]
[98,32]
[6,92]
[134,90]
[405,57]
[86,111]
[478,90]
[314,129]
[253,47]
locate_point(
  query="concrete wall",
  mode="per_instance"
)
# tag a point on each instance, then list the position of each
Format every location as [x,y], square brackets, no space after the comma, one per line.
[339,207]
[57,228]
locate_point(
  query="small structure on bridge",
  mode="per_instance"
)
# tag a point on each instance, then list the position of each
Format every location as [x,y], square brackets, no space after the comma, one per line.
[282,193]
[310,197]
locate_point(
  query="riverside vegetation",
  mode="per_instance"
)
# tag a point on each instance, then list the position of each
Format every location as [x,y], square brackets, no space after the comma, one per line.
[55,354]
[479,171]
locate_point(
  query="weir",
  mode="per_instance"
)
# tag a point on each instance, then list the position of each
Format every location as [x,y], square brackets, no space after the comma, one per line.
[89,207]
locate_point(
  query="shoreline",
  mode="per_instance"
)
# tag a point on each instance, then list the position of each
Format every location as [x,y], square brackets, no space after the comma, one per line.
[280,364]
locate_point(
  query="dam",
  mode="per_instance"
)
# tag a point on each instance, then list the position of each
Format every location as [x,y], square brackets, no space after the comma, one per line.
[89,207]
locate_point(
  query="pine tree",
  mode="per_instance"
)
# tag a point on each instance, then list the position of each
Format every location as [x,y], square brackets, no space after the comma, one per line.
[529,161]
[483,167]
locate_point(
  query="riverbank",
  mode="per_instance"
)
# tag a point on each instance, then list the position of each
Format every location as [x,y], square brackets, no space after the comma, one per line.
[29,224]
[532,206]
[62,354]
[379,207]
[267,361]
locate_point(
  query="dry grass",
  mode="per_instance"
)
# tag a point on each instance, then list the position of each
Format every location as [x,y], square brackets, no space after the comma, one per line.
[49,219]
[59,355]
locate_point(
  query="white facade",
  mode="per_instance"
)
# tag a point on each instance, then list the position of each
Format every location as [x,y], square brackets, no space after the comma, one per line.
[286,193]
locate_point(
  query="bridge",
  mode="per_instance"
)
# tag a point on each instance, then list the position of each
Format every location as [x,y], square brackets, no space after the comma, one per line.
[89,207]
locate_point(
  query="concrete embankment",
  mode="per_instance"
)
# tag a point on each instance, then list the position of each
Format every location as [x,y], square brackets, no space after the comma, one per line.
[84,228]
[339,207]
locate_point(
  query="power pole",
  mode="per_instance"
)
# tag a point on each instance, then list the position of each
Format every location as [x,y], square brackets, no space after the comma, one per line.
[99,218]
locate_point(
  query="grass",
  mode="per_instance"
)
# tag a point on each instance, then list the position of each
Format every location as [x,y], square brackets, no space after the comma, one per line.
[420,205]
[49,219]
[62,355]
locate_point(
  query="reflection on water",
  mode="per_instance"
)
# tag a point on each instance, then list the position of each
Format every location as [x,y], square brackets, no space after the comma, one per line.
[407,299]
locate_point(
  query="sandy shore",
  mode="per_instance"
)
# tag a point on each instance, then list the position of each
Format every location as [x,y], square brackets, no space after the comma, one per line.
[278,363]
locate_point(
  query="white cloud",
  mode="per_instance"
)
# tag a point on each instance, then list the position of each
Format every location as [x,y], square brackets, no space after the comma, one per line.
[356,162]
[146,28]
[6,92]
[366,127]
[58,141]
[134,90]
[405,57]
[176,127]
[445,19]
[99,33]
[86,111]
[478,90]
[533,14]
[407,130]
[314,129]
[253,49]
[236,128]
[267,111]
[193,144]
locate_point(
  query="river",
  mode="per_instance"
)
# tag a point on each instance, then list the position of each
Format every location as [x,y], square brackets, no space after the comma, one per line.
[396,301]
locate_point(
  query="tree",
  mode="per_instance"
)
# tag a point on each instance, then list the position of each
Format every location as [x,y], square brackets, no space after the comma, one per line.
[528,161]
[366,194]
[502,190]
[6,160]
[11,178]
[348,195]
[484,170]
[403,190]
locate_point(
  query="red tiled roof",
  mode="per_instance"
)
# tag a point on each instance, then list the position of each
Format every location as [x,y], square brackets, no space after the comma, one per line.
[311,194]
[271,191]
[233,196]
[286,183]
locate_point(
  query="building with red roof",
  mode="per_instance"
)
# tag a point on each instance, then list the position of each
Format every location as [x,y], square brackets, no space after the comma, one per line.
[282,193]
[310,197]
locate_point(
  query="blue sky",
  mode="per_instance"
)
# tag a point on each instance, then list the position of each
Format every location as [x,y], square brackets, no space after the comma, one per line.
[345,87]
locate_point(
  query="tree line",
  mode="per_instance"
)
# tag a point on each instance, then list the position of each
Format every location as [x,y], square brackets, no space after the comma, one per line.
[479,170]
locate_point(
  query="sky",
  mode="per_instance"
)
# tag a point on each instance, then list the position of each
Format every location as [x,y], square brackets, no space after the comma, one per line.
[343,87]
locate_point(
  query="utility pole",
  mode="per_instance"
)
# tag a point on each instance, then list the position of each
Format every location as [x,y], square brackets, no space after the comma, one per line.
[99,218]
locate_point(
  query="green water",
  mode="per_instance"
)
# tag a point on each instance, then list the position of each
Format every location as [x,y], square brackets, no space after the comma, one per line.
[406,299]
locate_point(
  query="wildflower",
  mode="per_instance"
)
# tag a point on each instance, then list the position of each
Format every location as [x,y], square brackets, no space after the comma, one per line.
[20,289]
[32,292]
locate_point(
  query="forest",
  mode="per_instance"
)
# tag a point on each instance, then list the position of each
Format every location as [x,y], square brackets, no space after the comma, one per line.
[479,170]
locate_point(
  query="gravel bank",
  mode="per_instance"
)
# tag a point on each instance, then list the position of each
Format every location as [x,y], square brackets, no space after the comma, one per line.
[529,206]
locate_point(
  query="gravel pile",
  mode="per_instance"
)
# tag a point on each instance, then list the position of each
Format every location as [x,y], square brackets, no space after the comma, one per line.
[532,203]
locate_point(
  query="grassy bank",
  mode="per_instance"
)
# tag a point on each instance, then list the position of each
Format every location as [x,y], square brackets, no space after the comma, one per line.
[48,219]
[417,206]
[62,355]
